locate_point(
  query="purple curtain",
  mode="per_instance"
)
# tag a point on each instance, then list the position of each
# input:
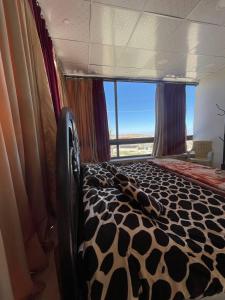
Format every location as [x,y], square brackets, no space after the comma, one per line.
[47,49]
[101,121]
[170,133]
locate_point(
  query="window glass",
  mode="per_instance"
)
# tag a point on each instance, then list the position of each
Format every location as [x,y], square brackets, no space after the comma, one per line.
[189,145]
[135,103]
[110,105]
[136,109]
[190,108]
[136,149]
[113,151]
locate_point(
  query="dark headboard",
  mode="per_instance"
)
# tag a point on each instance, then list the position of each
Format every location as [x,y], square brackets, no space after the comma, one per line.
[68,205]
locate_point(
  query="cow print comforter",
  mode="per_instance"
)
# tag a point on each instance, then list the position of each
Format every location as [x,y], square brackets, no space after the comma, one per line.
[128,254]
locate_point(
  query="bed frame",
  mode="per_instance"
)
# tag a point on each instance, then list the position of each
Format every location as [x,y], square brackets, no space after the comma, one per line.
[68,207]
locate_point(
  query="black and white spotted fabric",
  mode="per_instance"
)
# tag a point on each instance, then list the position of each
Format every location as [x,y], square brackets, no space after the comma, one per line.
[127,254]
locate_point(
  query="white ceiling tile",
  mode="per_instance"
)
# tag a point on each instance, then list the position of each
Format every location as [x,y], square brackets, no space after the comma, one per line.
[177,8]
[112,26]
[104,55]
[151,73]
[67,20]
[195,64]
[101,70]
[196,75]
[126,72]
[193,75]
[113,71]
[75,52]
[185,38]
[201,76]
[201,63]
[210,40]
[132,4]
[154,32]
[212,49]
[132,57]
[73,68]
[157,47]
[161,60]
[178,71]
[208,11]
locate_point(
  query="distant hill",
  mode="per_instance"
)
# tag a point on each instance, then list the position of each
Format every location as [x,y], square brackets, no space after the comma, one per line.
[131,136]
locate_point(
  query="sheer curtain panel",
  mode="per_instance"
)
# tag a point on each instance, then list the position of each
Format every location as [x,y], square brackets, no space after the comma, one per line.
[27,147]
[170,131]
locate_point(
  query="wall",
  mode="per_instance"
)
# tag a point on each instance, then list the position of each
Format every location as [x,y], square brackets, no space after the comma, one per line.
[207,124]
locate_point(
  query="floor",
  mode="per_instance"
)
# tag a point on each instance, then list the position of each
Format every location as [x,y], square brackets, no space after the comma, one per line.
[51,292]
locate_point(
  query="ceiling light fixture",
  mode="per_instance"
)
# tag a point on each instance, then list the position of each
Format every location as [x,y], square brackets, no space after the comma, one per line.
[66,21]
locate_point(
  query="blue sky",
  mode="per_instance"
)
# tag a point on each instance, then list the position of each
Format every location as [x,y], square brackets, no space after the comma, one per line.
[190,108]
[136,107]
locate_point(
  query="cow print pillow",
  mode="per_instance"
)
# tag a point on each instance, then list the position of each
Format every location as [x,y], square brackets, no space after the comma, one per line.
[119,177]
[122,178]
[109,167]
[148,204]
[98,180]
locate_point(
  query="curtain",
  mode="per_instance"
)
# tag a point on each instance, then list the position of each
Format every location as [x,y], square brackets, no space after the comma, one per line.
[5,283]
[87,100]
[170,131]
[79,93]
[47,49]
[101,121]
[61,83]
[27,146]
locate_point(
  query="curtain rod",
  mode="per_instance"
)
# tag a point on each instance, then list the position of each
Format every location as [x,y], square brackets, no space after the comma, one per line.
[129,79]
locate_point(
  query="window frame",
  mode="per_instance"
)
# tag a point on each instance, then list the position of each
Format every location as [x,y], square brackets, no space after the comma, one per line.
[117,141]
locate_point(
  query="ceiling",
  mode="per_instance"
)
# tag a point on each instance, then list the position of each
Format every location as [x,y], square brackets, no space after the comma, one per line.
[145,39]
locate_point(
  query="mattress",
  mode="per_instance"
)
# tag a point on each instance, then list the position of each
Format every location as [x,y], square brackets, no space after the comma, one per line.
[128,252]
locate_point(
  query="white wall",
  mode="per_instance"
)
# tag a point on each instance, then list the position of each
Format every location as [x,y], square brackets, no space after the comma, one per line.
[207,124]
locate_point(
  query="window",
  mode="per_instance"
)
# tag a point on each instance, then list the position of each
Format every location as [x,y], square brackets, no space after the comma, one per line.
[190,109]
[131,117]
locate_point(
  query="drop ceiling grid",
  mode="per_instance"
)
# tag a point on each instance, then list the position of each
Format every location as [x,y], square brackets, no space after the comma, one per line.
[178,8]
[89,42]
[201,13]
[134,29]
[114,61]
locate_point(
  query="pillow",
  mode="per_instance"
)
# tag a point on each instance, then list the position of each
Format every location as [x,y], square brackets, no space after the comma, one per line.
[122,178]
[148,204]
[109,167]
[99,181]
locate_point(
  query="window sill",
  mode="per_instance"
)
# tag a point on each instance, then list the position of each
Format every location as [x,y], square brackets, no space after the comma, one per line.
[132,159]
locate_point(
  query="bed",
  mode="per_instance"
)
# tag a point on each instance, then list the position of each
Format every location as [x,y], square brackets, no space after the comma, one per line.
[135,231]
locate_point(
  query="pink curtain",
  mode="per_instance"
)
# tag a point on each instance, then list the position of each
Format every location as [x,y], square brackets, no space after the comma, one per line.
[86,98]
[27,149]
[101,121]
[170,132]
[47,49]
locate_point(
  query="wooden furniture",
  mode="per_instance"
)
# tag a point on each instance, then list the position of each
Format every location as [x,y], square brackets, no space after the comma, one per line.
[69,209]
[201,153]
